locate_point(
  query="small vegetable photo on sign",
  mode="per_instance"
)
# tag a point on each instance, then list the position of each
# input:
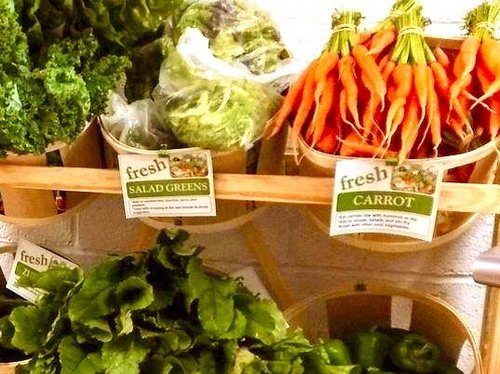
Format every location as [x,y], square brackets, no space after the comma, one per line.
[188,165]
[414,178]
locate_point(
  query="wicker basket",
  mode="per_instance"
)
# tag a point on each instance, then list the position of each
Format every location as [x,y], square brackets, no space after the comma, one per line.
[38,207]
[315,163]
[265,157]
[337,314]
[11,367]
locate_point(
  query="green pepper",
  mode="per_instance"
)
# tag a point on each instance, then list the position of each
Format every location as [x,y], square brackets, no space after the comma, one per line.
[338,352]
[416,353]
[317,361]
[344,369]
[379,371]
[445,368]
[370,348]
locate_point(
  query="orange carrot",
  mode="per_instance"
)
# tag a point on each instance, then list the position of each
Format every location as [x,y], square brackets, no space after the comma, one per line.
[463,65]
[484,76]
[441,57]
[388,69]
[353,144]
[370,69]
[403,78]
[383,61]
[305,104]
[326,64]
[319,119]
[409,127]
[420,82]
[363,37]
[433,112]
[293,95]
[381,40]
[441,78]
[346,73]
[488,53]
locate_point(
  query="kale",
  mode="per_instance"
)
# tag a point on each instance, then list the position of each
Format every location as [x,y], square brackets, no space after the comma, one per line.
[48,96]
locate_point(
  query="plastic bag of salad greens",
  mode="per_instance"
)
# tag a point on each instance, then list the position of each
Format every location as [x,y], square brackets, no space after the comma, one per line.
[195,49]
[136,124]
[238,32]
[217,112]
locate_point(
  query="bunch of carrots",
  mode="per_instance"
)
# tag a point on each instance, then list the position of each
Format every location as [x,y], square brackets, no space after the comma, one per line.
[386,93]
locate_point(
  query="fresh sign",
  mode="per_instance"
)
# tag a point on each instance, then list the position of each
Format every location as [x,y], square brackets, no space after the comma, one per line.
[31,260]
[178,183]
[373,197]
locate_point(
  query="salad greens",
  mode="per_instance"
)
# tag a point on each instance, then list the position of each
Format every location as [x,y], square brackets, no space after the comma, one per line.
[238,32]
[217,114]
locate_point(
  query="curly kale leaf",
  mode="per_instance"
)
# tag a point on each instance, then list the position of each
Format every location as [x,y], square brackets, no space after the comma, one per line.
[128,23]
[101,77]
[67,94]
[19,129]
[13,42]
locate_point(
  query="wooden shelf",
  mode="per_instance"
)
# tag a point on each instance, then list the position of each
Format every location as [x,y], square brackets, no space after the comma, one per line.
[457,197]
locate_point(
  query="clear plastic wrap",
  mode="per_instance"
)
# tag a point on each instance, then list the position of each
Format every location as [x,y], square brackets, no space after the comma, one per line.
[135,124]
[219,113]
[216,88]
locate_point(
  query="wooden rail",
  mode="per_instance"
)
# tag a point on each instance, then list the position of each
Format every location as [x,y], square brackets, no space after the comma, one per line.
[457,197]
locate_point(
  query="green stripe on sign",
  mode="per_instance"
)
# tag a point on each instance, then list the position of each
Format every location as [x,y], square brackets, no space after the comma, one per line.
[174,187]
[384,200]
[23,270]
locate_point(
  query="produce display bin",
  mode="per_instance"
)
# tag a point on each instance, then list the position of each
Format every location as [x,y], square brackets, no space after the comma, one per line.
[38,207]
[265,157]
[449,224]
[339,313]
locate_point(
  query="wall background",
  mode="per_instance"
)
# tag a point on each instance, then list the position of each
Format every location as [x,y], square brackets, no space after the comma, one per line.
[308,259]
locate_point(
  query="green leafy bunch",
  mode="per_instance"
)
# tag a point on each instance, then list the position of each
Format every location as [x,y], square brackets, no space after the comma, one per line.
[159,311]
[49,97]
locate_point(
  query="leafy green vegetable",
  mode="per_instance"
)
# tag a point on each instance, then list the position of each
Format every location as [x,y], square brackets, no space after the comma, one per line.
[154,312]
[74,360]
[217,114]
[238,32]
[51,82]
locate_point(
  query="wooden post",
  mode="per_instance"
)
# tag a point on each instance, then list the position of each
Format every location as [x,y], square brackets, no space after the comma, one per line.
[490,337]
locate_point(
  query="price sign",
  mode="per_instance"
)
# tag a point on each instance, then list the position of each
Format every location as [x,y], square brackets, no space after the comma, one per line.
[371,196]
[179,183]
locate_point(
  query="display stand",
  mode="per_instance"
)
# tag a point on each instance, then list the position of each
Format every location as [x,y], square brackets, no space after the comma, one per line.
[469,197]
[490,337]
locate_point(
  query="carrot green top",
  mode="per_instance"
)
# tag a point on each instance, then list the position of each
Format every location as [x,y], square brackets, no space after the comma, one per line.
[411,47]
[344,32]
[481,21]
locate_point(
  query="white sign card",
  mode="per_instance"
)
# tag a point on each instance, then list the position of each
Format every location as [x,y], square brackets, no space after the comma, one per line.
[371,196]
[30,260]
[177,183]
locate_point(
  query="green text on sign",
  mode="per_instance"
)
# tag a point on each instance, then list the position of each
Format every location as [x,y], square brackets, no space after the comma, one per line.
[385,200]
[23,270]
[174,187]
